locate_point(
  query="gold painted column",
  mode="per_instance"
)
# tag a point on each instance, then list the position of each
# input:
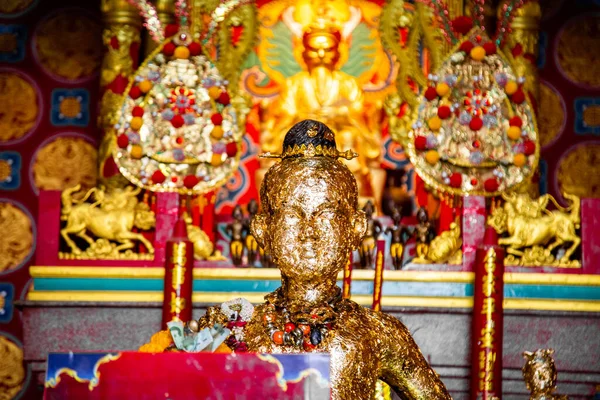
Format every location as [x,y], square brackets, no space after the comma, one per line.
[121,38]
[521,44]
[165,10]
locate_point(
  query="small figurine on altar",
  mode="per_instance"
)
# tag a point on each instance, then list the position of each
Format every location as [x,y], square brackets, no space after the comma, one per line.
[367,245]
[309,223]
[399,237]
[251,243]
[236,230]
[424,234]
[540,375]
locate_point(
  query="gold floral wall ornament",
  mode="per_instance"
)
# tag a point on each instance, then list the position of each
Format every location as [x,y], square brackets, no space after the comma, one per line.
[475,132]
[551,117]
[69,45]
[16,242]
[577,171]
[535,236]
[20,106]
[576,59]
[63,162]
[14,6]
[12,372]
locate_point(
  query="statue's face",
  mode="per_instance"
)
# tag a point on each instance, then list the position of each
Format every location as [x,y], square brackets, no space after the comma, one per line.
[320,50]
[310,221]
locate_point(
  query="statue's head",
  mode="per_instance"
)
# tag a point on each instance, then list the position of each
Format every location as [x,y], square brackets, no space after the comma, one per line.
[309,220]
[539,371]
[321,46]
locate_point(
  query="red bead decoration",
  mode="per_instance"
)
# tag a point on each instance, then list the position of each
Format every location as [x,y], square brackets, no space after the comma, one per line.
[289,327]
[476,144]
[518,97]
[171,29]
[308,346]
[177,121]
[114,43]
[474,182]
[224,98]
[466,47]
[278,337]
[190,181]
[231,149]
[528,147]
[456,180]
[305,329]
[515,121]
[135,92]
[179,140]
[517,50]
[420,143]
[158,177]
[174,179]
[491,185]
[137,111]
[169,49]
[462,25]
[431,93]
[195,48]
[476,123]
[122,141]
[216,118]
[490,48]
[444,112]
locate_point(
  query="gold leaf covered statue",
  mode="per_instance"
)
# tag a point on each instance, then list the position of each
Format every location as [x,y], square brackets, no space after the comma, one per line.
[309,222]
[540,375]
[111,218]
[534,232]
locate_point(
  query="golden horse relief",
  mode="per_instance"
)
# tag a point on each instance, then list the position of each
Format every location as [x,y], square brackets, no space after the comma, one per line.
[534,232]
[110,218]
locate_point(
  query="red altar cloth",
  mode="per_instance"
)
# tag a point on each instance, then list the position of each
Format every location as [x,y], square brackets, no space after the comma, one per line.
[174,376]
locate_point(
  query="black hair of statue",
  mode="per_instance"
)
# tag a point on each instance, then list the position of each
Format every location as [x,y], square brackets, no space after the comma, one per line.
[298,135]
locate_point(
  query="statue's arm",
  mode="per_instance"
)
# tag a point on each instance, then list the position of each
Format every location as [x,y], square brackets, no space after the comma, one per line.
[404,367]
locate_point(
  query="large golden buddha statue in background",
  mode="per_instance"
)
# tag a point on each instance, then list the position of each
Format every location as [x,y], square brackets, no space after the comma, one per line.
[309,223]
[322,92]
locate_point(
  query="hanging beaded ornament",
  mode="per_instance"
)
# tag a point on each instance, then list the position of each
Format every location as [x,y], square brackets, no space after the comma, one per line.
[178,130]
[475,130]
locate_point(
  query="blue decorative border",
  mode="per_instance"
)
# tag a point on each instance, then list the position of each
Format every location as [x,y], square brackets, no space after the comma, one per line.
[581,104]
[82,96]
[20,31]
[7,292]
[359,287]
[13,181]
